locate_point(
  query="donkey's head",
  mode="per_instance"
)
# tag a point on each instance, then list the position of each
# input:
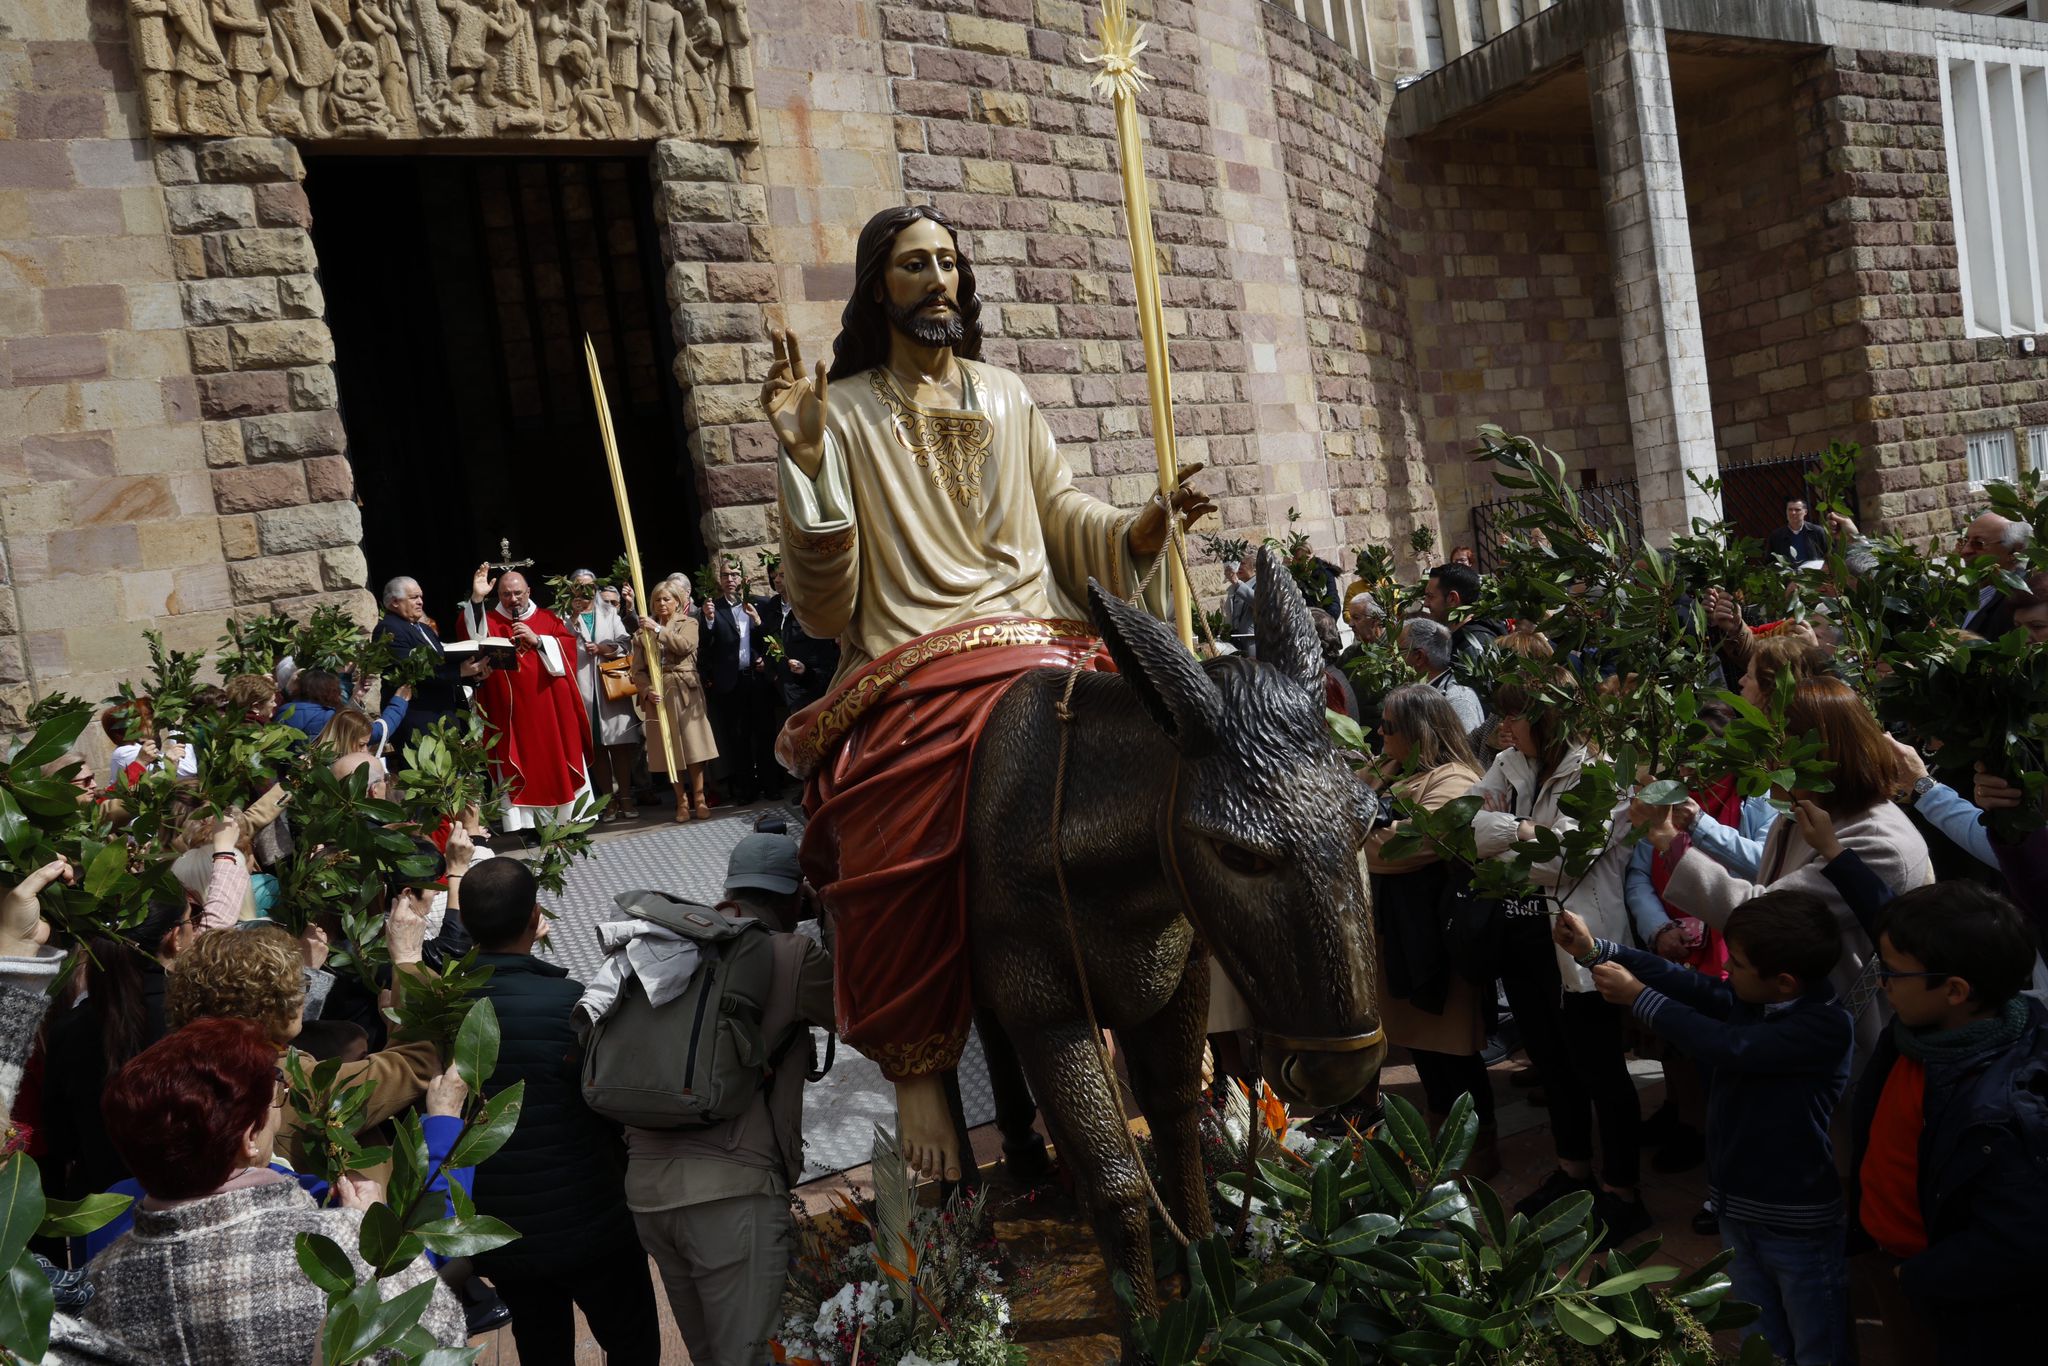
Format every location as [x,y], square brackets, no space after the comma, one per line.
[1261,832]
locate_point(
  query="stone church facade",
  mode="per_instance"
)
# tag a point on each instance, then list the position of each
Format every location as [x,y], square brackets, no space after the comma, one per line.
[1663,237]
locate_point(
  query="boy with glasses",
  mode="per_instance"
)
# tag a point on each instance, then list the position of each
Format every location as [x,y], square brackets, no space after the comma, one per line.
[1950,1129]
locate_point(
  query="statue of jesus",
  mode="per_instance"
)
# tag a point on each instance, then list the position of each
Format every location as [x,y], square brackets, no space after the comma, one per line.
[930,524]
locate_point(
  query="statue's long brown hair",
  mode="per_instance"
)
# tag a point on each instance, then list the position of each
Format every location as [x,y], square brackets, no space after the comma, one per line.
[863,341]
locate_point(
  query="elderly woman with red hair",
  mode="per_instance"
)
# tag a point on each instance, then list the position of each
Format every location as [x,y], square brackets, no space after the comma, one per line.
[209,1273]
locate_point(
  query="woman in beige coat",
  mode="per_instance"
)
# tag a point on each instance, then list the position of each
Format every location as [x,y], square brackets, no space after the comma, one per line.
[680,694]
[1426,1004]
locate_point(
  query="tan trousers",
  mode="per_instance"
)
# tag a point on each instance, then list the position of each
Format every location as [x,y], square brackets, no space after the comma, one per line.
[724,1264]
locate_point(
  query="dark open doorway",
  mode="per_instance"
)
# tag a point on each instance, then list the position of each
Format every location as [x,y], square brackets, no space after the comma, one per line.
[459,290]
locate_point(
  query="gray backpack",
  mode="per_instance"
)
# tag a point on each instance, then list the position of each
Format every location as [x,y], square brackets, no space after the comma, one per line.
[699,1060]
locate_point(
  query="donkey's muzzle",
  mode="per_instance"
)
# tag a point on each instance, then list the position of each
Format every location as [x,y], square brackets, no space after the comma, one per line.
[1322,1073]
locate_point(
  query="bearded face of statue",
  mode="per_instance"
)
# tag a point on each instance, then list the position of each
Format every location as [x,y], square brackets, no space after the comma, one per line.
[921,286]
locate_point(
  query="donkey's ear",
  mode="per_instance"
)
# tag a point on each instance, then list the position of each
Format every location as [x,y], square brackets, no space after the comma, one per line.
[1168,679]
[1281,630]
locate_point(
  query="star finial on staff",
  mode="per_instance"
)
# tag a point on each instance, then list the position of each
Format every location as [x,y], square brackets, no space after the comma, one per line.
[1122,41]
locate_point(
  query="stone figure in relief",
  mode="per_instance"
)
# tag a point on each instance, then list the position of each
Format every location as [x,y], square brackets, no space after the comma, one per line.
[198,69]
[512,89]
[383,24]
[664,51]
[356,102]
[623,24]
[241,30]
[704,46]
[154,57]
[733,84]
[447,68]
[303,37]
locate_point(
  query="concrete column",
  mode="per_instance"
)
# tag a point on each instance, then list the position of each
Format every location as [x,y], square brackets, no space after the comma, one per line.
[1649,244]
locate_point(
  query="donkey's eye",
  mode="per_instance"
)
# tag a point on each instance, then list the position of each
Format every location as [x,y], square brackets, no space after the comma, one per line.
[1241,860]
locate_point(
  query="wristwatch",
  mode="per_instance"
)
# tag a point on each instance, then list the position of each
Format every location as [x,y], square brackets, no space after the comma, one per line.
[1920,786]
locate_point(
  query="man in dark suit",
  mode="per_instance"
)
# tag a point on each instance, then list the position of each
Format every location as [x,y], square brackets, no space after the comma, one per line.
[1798,540]
[808,663]
[406,626]
[734,665]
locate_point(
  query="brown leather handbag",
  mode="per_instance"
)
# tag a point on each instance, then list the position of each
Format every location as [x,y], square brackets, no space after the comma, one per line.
[617,677]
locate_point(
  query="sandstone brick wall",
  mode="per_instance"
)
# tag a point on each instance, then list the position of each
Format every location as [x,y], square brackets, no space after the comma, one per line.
[260,347]
[1779,317]
[1503,259]
[1332,125]
[1927,384]
[106,508]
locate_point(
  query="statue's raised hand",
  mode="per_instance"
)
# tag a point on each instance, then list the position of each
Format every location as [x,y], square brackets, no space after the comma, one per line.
[796,405]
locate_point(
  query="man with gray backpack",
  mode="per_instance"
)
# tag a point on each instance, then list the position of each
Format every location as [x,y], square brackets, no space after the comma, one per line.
[699,1043]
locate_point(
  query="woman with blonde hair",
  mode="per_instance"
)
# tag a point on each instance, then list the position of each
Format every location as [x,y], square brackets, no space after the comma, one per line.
[675,633]
[347,737]
[1426,1004]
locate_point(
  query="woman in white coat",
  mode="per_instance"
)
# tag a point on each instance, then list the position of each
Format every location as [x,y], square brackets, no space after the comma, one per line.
[601,636]
[1574,1038]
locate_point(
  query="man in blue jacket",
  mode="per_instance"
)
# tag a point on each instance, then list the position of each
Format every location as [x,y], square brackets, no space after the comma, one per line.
[406,626]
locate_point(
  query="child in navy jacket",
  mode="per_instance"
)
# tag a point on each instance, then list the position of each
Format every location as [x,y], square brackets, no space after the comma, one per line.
[1777,1042]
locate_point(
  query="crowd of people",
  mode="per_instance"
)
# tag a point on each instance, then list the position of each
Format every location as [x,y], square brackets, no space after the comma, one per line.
[605,700]
[1844,982]
[158,1069]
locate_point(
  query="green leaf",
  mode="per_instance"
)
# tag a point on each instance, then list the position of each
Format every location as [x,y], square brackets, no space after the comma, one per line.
[383,1243]
[1564,1217]
[491,1128]
[476,1045]
[1455,1139]
[107,868]
[1325,1209]
[1490,1208]
[17,836]
[1271,1300]
[391,1320]
[324,1263]
[1409,1130]
[26,1306]
[1668,792]
[1633,1280]
[21,1205]
[1583,1323]
[76,1218]
[465,1237]
[1455,1314]
[53,739]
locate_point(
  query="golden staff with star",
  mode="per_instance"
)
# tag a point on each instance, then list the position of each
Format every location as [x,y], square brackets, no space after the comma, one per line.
[1121,79]
[640,600]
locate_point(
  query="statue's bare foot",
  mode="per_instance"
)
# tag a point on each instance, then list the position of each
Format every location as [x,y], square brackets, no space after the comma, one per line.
[927,1137]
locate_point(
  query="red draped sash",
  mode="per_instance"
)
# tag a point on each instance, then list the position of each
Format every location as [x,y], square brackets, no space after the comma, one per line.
[893,748]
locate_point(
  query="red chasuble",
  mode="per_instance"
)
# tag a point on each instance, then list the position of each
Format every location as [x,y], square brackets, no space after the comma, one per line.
[539,732]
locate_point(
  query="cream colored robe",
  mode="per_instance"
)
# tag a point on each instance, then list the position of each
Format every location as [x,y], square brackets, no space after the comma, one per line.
[878,550]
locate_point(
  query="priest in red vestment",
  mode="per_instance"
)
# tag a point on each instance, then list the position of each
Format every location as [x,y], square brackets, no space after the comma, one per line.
[536,715]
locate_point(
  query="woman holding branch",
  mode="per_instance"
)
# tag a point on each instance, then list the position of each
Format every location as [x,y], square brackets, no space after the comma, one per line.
[676,634]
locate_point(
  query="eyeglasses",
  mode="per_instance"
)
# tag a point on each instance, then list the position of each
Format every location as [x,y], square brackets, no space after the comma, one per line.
[1885,974]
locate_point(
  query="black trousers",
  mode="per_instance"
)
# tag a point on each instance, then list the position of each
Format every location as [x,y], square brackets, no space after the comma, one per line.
[744,722]
[616,1294]
[1575,1040]
[1446,1076]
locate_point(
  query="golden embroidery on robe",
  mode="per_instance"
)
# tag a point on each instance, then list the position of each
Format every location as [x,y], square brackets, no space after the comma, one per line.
[949,445]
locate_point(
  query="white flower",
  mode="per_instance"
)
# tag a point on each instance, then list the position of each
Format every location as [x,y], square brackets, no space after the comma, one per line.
[866,1302]
[913,1359]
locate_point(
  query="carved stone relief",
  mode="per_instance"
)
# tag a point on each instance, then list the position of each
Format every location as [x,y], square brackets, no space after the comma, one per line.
[447,68]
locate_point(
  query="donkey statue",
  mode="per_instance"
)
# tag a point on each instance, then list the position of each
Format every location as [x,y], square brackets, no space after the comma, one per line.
[1206,812]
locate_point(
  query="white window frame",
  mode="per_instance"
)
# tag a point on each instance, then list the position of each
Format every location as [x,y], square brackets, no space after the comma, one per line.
[1994,126]
[1978,444]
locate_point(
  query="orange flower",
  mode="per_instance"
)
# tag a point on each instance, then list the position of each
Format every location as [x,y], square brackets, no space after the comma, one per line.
[1273,1111]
